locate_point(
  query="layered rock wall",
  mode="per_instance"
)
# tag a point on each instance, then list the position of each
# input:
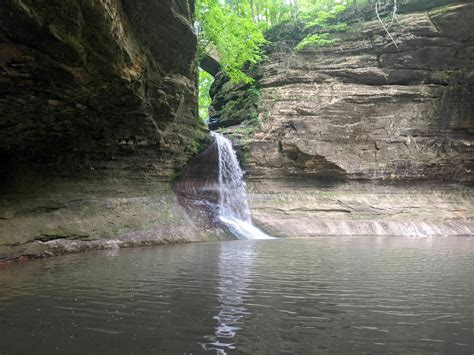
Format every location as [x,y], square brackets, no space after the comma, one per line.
[362,108]
[98,103]
[360,137]
[85,82]
[290,209]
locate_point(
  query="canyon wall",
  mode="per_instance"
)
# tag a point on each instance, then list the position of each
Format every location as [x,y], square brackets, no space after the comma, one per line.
[361,108]
[98,107]
[360,137]
[89,82]
[98,112]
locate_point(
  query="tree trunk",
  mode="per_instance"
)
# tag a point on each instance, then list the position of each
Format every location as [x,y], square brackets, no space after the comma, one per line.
[296,9]
[267,14]
[251,9]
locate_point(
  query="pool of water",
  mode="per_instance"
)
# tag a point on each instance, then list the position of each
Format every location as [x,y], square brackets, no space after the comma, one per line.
[300,296]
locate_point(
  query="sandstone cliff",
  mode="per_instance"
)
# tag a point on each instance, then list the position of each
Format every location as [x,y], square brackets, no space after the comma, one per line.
[89,81]
[98,104]
[359,137]
[361,108]
[98,109]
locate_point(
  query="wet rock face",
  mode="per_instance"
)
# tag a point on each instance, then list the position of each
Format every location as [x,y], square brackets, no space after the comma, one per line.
[198,185]
[361,109]
[73,216]
[92,80]
[290,209]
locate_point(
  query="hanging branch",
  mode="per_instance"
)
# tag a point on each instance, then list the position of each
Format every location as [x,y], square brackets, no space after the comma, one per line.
[394,13]
[383,25]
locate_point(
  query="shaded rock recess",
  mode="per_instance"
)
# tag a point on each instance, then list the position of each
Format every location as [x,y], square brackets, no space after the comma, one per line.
[98,103]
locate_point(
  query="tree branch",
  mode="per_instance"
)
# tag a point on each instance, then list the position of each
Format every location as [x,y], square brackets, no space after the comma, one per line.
[383,25]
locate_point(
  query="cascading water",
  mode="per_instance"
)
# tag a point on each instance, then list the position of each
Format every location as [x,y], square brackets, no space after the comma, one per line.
[233,208]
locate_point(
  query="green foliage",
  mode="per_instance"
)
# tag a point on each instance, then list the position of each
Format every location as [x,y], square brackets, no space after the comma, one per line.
[248,128]
[323,22]
[237,39]
[316,16]
[315,40]
[254,92]
[234,28]
[339,27]
[175,175]
[205,82]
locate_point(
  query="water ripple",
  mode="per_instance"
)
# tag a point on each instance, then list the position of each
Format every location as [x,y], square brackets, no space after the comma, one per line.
[339,295]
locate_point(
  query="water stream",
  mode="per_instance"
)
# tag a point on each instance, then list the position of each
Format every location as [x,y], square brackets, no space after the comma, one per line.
[233,207]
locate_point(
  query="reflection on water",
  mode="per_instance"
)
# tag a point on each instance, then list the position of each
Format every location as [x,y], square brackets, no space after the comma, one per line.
[338,295]
[234,275]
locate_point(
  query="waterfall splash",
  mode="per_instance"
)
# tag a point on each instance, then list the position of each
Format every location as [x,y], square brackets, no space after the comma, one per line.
[233,207]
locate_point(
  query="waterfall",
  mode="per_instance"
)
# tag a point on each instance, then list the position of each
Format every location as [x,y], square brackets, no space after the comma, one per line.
[233,207]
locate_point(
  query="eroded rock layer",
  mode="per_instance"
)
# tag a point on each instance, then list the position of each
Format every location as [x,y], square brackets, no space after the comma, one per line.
[290,209]
[71,216]
[362,108]
[91,81]
[98,105]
